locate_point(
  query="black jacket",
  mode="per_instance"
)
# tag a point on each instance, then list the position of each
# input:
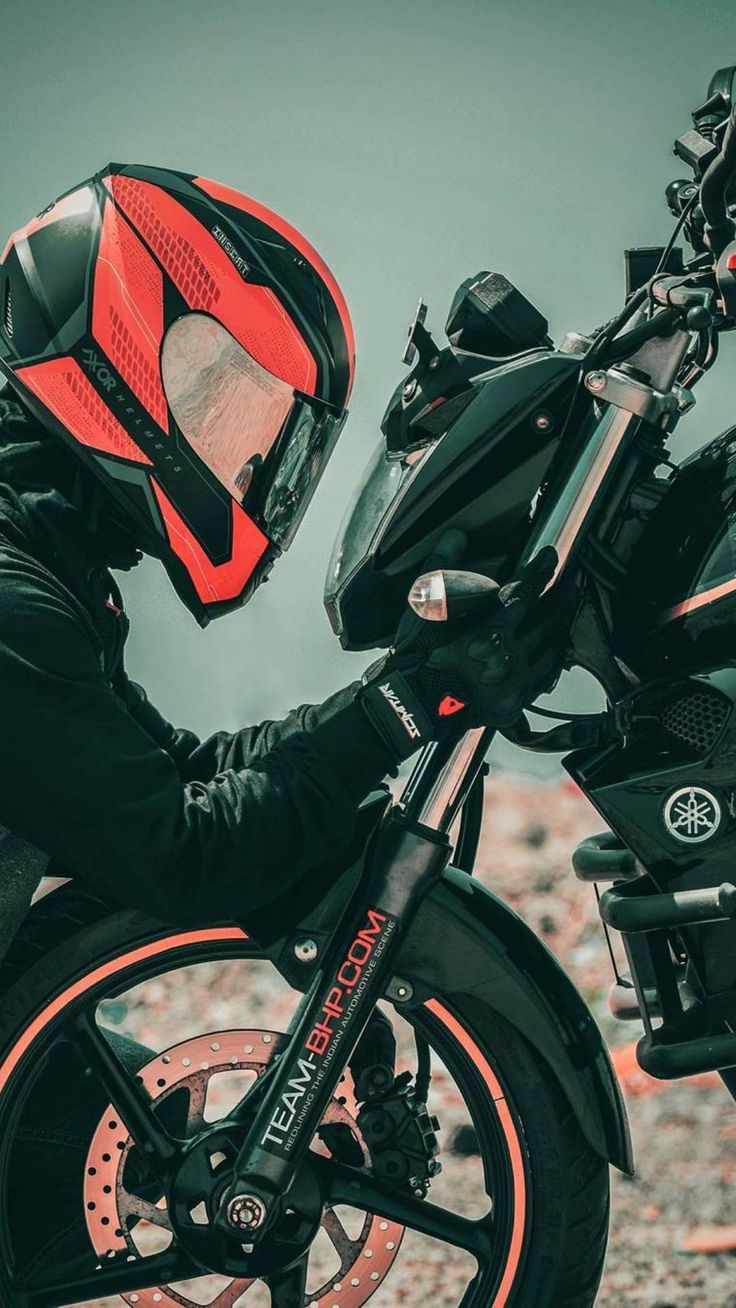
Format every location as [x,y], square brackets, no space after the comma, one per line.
[90,772]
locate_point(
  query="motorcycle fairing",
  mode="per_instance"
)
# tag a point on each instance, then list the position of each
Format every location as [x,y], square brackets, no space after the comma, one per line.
[682,735]
[481,476]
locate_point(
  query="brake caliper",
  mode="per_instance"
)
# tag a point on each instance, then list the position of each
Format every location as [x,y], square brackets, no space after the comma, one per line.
[401,1136]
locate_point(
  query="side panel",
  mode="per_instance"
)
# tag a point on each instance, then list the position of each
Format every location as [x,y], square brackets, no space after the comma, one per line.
[668,790]
[465,940]
[487,469]
[678,607]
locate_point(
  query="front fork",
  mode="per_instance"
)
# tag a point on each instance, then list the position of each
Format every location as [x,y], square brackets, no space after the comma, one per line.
[411,852]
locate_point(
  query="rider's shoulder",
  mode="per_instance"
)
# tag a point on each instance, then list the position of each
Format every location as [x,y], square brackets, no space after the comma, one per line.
[15,419]
[37,612]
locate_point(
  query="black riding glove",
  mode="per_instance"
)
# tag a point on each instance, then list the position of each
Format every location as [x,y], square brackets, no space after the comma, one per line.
[445,677]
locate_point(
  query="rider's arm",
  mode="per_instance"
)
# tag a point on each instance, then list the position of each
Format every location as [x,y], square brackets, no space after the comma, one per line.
[84,781]
[200,760]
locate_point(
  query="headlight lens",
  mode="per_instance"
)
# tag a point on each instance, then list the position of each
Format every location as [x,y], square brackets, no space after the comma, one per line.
[379,494]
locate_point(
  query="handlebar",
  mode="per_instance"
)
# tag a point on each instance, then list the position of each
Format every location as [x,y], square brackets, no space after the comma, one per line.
[719,227]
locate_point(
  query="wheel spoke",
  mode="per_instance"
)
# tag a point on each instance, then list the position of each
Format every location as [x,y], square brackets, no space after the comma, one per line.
[115,1276]
[288,1289]
[195,1109]
[130,1100]
[135,1206]
[231,1294]
[345,1185]
[334,1228]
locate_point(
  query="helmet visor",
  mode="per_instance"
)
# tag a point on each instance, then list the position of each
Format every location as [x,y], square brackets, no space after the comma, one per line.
[266,443]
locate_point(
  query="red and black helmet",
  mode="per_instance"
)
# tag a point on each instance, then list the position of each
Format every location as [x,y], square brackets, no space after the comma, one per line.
[195,350]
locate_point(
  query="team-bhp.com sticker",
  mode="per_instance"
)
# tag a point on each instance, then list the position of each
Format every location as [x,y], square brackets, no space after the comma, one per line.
[342,1003]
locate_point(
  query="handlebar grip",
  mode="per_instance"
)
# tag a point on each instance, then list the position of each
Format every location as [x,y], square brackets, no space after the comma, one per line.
[450,594]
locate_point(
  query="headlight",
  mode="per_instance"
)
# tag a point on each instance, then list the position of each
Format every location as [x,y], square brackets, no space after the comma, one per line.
[379,494]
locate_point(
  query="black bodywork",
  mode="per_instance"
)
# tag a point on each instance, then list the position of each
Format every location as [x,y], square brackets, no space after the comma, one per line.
[481,477]
[655,585]
[672,627]
[676,913]
[687,553]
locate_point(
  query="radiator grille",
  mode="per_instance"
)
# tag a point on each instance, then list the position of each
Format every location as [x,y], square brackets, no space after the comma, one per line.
[696,718]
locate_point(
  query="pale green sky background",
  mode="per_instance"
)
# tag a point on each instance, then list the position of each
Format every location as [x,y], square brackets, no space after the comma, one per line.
[414,143]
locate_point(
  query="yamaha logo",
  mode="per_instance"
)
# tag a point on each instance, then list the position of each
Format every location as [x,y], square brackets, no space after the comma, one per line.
[692,815]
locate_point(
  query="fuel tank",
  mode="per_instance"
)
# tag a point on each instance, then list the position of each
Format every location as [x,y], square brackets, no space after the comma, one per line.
[677,610]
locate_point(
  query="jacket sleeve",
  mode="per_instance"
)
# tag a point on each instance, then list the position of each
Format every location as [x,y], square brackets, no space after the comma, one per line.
[201,760]
[84,780]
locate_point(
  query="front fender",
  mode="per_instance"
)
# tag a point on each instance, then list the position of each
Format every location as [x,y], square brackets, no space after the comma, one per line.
[467,940]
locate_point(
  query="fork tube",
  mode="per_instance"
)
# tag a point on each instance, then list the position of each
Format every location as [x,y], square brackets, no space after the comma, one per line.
[438,787]
[358,966]
[410,853]
[566,517]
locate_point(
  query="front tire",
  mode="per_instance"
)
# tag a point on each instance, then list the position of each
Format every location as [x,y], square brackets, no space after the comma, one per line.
[549,1191]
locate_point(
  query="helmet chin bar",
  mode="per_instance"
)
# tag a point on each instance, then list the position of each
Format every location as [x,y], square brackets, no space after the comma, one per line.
[203,613]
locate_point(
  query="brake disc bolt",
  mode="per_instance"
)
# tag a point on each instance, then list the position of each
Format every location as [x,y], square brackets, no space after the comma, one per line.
[305,951]
[246,1212]
[596,382]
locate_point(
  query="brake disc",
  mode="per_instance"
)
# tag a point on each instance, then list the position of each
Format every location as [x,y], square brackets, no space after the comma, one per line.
[121,1222]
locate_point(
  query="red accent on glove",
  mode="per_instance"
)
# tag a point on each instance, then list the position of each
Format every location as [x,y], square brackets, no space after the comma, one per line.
[450,705]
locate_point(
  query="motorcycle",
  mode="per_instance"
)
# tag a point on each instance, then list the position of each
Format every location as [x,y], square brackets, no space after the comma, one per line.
[296,1153]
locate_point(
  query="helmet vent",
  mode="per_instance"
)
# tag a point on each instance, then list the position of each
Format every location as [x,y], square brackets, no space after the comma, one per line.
[135,368]
[178,256]
[8,310]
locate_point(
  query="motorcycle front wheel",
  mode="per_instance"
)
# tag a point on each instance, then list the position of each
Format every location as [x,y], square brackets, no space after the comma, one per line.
[518,1215]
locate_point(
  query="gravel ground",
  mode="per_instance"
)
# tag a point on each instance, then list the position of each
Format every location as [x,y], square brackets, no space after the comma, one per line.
[683,1135]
